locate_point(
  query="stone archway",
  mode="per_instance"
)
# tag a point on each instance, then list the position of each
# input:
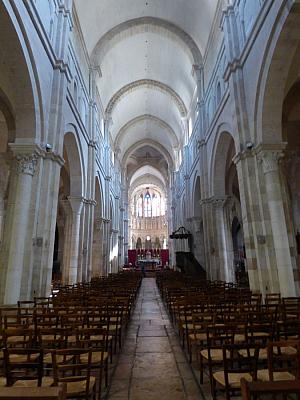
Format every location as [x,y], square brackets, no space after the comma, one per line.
[70,208]
[225,206]
[279,72]
[291,170]
[20,138]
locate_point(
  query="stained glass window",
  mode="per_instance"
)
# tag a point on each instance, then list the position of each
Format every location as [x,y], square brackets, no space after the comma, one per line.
[147,204]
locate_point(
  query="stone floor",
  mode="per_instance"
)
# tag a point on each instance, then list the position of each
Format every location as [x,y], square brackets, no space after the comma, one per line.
[152,364]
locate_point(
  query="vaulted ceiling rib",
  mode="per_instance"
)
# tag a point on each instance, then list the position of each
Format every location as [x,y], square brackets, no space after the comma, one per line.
[146,52]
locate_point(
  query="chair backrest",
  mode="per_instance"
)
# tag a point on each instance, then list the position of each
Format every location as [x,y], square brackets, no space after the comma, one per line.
[23,364]
[18,338]
[264,390]
[219,335]
[284,356]
[93,338]
[235,363]
[52,338]
[288,329]
[73,365]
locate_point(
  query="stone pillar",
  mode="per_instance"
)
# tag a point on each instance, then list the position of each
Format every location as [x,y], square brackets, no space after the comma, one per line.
[126,232]
[16,229]
[73,208]
[86,262]
[224,241]
[270,166]
[66,207]
[106,245]
[260,257]
[97,261]
[47,186]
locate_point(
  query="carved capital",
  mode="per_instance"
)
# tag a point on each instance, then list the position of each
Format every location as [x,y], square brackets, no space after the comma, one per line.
[26,164]
[270,160]
[90,202]
[219,202]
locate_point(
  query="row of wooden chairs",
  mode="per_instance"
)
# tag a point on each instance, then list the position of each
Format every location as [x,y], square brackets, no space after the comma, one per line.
[232,332]
[68,337]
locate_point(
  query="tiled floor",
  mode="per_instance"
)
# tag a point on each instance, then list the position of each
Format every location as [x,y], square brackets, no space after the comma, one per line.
[152,364]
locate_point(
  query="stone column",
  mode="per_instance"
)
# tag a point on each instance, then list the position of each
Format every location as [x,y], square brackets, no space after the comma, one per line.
[106,245]
[16,230]
[198,240]
[127,234]
[210,239]
[256,225]
[270,165]
[72,208]
[86,262]
[76,205]
[46,185]
[97,260]
[224,240]
[65,205]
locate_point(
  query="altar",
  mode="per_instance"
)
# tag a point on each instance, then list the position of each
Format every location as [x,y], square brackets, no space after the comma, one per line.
[157,257]
[149,264]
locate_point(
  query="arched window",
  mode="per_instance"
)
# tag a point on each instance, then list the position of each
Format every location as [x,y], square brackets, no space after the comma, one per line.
[147,204]
[140,206]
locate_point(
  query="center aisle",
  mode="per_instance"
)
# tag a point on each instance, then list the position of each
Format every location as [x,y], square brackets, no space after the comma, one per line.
[152,364]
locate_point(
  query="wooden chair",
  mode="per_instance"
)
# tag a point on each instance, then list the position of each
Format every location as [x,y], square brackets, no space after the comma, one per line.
[24,367]
[50,339]
[101,320]
[235,367]
[95,340]
[18,338]
[75,372]
[283,361]
[263,390]
[197,335]
[212,356]
[33,393]
[273,298]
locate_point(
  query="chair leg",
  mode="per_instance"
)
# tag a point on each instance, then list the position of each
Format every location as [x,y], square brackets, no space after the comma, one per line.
[106,373]
[111,352]
[100,384]
[213,388]
[191,353]
[201,369]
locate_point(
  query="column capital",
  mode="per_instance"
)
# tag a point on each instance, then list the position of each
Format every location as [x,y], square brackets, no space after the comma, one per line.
[76,203]
[26,157]
[90,202]
[269,156]
[216,201]
[26,164]
[220,201]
